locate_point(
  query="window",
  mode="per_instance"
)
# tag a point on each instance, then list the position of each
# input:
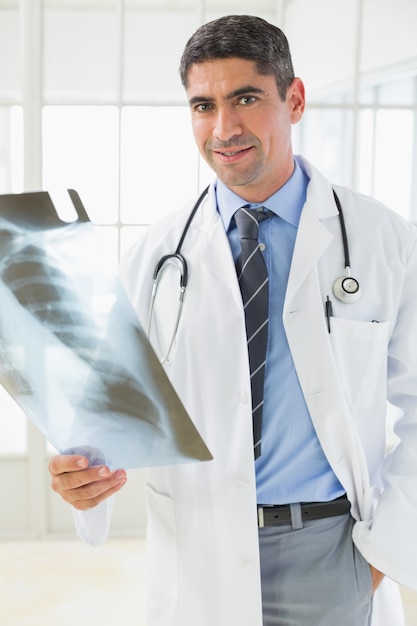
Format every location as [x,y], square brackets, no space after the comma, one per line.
[90,98]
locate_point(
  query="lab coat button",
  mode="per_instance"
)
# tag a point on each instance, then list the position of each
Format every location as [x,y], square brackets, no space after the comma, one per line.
[244,398]
[248,563]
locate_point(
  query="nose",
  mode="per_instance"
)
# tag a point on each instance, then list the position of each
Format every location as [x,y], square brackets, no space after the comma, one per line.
[227,124]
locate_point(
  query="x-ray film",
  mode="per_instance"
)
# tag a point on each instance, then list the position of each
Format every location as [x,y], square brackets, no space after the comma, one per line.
[73,354]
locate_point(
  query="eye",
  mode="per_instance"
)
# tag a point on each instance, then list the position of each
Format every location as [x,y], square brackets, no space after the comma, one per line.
[203,107]
[245,100]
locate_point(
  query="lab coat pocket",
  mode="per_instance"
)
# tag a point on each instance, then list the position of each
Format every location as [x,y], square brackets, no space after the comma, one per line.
[360,352]
[162,570]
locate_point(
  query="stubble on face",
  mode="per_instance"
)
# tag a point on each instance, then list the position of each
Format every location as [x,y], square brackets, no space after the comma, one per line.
[232,174]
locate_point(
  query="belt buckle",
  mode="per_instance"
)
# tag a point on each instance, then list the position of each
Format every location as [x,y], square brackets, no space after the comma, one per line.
[261,521]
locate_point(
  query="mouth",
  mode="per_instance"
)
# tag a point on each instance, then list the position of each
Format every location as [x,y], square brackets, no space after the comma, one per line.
[232,154]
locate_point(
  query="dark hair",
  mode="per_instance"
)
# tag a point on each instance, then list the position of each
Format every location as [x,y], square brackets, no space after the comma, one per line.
[246,37]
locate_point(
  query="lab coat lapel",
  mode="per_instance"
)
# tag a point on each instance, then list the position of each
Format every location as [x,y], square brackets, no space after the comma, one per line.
[313,236]
[309,340]
[212,245]
[304,313]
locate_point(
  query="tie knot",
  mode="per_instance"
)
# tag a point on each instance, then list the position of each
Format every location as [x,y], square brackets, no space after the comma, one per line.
[247,221]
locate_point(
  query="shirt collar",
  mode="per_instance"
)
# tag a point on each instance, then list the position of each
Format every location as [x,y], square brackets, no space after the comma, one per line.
[287,202]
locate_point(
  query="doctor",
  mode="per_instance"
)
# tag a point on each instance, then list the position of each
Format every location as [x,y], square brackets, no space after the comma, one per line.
[319,528]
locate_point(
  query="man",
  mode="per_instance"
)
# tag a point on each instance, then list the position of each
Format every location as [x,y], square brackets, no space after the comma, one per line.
[244,542]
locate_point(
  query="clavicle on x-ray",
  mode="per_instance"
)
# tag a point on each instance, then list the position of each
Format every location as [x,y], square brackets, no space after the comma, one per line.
[72,352]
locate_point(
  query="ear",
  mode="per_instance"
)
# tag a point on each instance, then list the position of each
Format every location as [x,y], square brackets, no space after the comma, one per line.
[296,99]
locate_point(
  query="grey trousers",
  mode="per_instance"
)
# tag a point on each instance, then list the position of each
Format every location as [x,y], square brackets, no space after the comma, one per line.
[313,575]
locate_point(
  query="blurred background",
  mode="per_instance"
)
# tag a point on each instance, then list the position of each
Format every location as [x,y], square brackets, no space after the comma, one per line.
[90,99]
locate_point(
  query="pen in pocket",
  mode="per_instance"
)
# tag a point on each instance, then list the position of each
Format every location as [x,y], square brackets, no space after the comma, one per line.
[329,313]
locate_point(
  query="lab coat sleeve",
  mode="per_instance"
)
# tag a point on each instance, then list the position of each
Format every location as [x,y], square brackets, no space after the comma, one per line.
[93,526]
[389,540]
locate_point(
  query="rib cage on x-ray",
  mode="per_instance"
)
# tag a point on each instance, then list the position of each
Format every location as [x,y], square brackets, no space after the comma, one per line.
[86,376]
[46,293]
[43,291]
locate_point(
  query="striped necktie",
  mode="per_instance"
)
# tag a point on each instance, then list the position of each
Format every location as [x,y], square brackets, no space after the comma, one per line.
[253,280]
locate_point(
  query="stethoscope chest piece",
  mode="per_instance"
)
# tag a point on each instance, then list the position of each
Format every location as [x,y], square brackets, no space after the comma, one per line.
[347,289]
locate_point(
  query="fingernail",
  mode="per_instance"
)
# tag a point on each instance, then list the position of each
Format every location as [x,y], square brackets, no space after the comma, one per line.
[120,474]
[82,462]
[103,471]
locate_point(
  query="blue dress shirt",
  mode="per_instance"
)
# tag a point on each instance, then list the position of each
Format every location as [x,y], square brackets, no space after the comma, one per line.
[292,467]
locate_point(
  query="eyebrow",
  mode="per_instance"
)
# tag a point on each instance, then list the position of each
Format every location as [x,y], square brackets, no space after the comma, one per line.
[241,91]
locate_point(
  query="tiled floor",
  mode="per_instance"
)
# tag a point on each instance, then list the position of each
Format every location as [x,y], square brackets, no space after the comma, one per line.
[65,583]
[69,584]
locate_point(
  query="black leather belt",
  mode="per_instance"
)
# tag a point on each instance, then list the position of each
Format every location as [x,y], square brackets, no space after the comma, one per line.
[281,513]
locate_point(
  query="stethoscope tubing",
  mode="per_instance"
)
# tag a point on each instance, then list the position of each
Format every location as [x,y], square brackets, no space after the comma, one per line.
[343,231]
[178,257]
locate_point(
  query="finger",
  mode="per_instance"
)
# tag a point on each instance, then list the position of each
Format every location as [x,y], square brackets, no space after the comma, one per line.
[377,577]
[90,480]
[74,479]
[90,496]
[62,463]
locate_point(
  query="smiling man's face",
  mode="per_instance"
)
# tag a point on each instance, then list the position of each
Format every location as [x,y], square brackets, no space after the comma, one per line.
[242,126]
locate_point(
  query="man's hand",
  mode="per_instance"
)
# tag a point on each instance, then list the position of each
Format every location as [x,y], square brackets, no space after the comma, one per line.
[80,485]
[377,576]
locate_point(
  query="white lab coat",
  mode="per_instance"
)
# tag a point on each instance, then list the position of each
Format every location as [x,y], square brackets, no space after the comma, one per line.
[203,565]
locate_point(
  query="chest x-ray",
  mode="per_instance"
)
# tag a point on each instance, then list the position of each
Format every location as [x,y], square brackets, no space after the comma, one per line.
[72,352]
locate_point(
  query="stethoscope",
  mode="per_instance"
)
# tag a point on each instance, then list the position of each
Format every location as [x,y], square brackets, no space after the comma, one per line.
[346,288]
[176,258]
